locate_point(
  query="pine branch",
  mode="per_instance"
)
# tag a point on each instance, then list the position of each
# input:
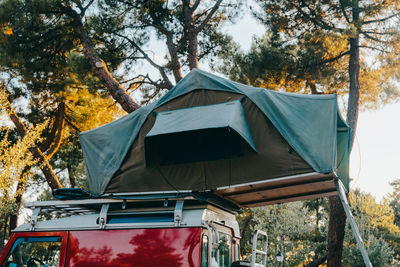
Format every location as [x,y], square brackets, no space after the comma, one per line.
[381,20]
[316,262]
[320,23]
[378,49]
[161,69]
[209,16]
[380,33]
[69,121]
[195,5]
[329,60]
[373,38]
[342,7]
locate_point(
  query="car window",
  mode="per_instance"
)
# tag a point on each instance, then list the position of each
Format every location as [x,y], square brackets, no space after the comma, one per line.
[34,251]
[225,250]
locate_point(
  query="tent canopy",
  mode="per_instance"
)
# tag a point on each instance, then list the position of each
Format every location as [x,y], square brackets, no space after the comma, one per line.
[260,135]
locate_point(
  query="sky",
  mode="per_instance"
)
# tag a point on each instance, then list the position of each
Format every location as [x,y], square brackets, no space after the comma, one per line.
[375,159]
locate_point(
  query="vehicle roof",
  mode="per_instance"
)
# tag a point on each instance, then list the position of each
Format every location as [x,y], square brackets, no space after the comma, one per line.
[192,216]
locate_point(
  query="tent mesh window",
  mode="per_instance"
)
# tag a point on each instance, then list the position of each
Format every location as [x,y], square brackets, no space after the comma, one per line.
[201,133]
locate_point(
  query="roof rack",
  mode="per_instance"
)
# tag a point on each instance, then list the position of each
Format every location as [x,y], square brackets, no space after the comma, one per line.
[104,206]
[171,203]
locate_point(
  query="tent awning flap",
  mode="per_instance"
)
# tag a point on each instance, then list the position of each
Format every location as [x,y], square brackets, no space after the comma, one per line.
[199,133]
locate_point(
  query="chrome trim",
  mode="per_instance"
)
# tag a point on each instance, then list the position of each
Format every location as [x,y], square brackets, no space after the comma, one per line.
[103,215]
[34,218]
[178,213]
[209,241]
[146,193]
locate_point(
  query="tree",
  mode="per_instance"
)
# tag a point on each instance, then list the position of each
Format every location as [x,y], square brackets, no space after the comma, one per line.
[309,40]
[118,32]
[298,230]
[394,198]
[376,225]
[68,57]
[16,161]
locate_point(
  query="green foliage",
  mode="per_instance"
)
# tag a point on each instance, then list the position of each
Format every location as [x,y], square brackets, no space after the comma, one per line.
[300,230]
[395,200]
[277,64]
[134,24]
[291,228]
[41,61]
[306,49]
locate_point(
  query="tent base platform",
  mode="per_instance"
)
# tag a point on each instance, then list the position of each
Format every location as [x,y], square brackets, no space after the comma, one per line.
[280,190]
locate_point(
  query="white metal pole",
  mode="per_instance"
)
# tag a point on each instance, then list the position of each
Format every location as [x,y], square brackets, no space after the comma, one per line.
[352,222]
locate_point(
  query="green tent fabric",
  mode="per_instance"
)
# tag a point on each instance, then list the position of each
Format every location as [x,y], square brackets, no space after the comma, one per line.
[104,147]
[309,123]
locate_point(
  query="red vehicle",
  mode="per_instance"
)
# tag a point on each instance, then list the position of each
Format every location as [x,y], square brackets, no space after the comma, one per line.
[157,232]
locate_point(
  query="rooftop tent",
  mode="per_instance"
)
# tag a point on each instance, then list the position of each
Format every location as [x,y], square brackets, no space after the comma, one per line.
[250,145]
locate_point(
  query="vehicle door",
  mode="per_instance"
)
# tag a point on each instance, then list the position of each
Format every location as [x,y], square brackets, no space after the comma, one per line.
[35,249]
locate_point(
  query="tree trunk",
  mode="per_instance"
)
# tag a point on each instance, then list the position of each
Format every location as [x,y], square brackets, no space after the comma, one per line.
[191,35]
[175,65]
[71,176]
[337,223]
[354,93]
[337,216]
[50,145]
[99,67]
[192,56]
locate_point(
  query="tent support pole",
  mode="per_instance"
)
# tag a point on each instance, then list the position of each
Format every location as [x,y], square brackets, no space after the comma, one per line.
[354,228]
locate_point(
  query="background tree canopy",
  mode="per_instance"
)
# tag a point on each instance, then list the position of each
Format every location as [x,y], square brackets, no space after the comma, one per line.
[71,65]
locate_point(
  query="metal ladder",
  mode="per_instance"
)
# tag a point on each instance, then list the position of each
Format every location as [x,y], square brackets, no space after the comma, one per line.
[354,228]
[256,251]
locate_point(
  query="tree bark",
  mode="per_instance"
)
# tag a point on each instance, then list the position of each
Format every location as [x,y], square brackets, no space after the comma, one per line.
[175,65]
[3,233]
[337,223]
[354,93]
[193,53]
[191,35]
[337,216]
